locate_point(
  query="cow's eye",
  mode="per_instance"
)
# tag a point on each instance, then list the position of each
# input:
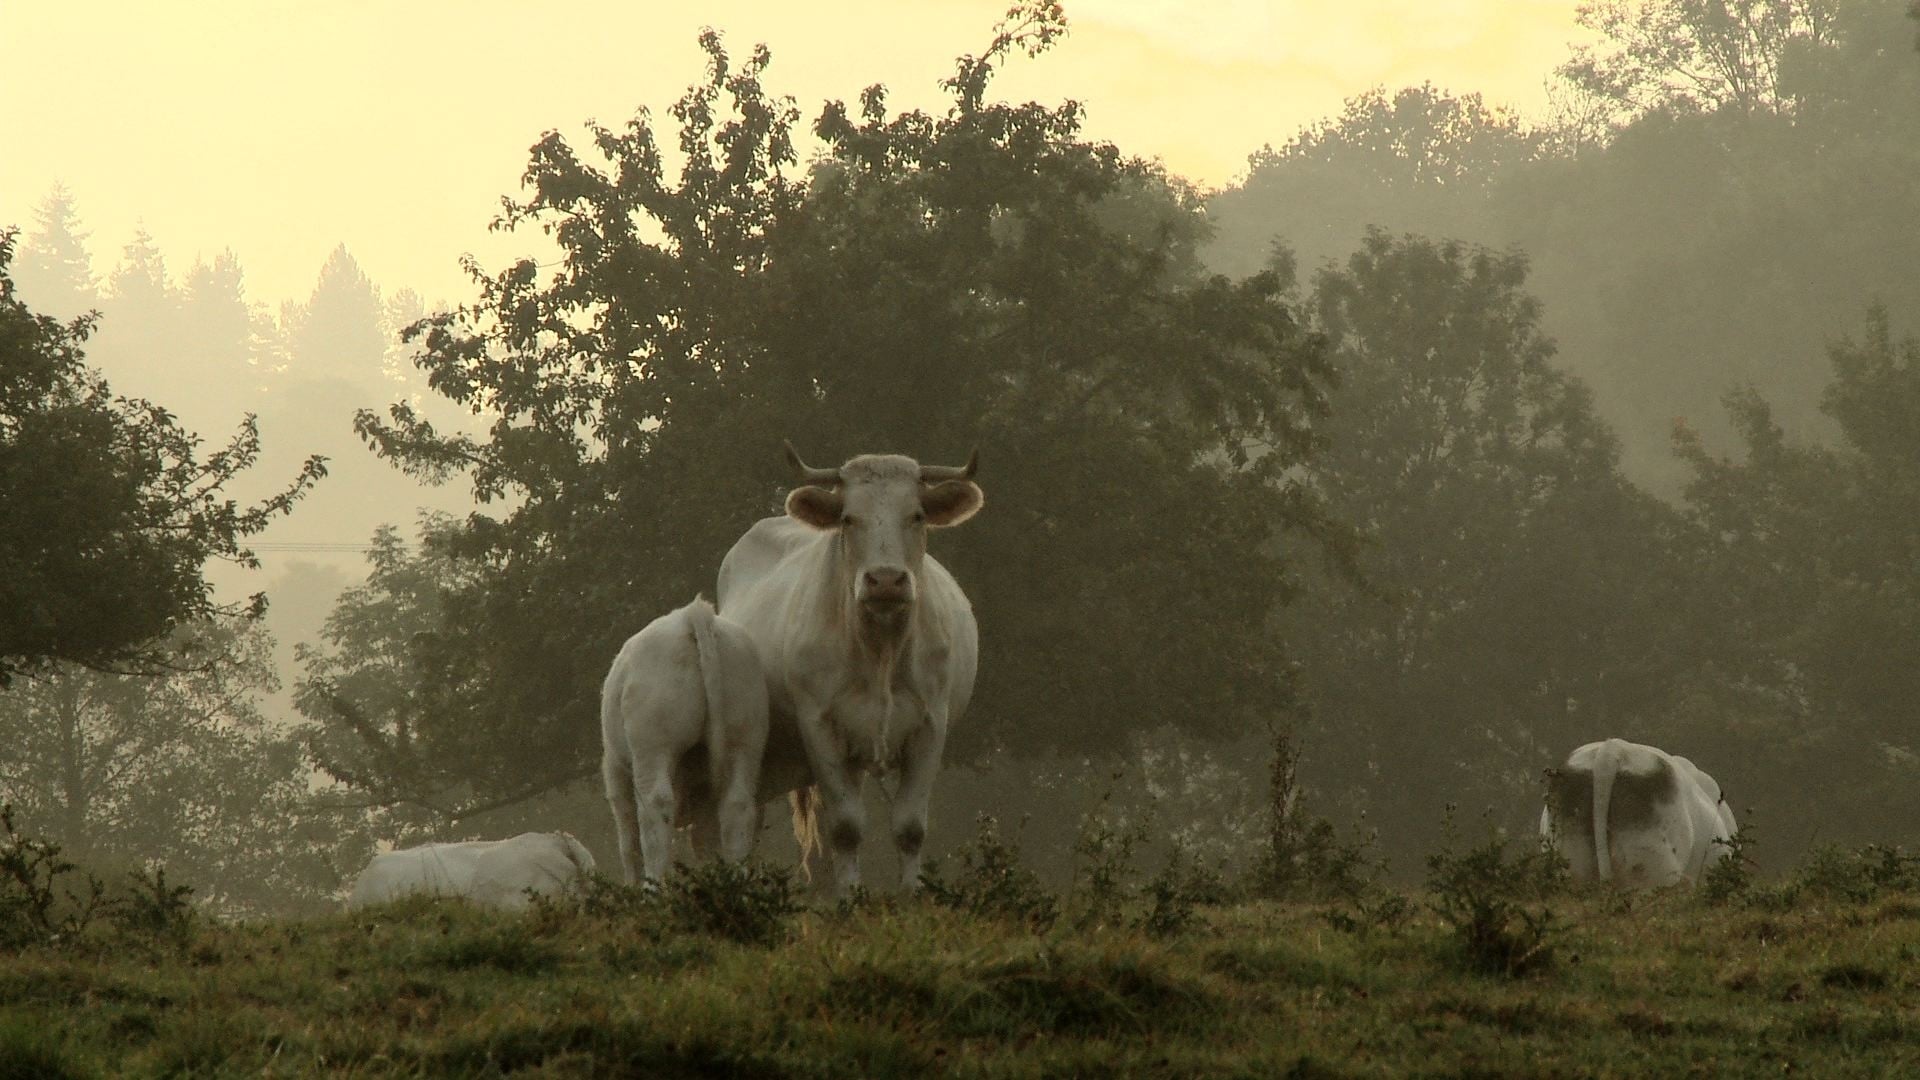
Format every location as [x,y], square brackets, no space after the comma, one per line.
[846,519]
[918,517]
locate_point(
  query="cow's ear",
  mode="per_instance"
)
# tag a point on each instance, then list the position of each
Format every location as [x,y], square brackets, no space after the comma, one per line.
[817,506]
[951,503]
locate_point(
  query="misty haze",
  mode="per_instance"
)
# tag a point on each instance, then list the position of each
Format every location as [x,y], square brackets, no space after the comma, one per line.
[1142,544]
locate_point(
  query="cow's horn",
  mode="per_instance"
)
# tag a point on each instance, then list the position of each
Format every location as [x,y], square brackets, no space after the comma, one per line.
[934,474]
[809,474]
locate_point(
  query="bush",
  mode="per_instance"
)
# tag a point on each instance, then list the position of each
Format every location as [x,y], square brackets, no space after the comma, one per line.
[1304,857]
[38,901]
[155,908]
[1175,893]
[1493,903]
[747,902]
[991,882]
[46,898]
[1732,877]
[1374,909]
[1859,876]
[1103,865]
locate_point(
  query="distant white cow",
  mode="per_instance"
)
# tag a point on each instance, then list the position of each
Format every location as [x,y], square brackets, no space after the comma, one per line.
[683,723]
[496,873]
[1635,815]
[870,647]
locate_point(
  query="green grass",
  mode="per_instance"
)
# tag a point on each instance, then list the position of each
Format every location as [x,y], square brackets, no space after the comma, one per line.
[1662,985]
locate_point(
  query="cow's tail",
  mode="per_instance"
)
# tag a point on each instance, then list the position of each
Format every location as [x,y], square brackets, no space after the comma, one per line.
[806,826]
[700,616]
[1606,765]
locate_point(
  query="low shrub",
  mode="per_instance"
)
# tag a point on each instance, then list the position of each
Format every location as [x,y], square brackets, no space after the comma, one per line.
[1731,878]
[1859,876]
[1175,894]
[1304,856]
[42,898]
[152,907]
[745,902]
[989,881]
[1493,900]
[1103,866]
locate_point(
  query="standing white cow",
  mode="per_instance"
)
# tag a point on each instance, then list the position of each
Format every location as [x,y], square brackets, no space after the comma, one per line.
[870,646]
[683,723]
[1635,815]
[495,873]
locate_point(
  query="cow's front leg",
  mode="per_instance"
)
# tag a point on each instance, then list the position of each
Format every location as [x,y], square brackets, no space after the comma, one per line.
[919,764]
[842,814]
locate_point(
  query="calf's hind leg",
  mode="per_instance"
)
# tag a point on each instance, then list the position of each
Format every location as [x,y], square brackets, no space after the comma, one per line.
[654,805]
[618,775]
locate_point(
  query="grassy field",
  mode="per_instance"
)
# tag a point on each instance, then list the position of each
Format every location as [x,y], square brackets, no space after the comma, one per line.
[1786,980]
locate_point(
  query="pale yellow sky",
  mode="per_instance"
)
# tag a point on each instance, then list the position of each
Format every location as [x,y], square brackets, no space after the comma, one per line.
[280,129]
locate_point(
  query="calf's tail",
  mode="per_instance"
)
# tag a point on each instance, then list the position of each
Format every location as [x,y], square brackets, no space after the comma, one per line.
[700,618]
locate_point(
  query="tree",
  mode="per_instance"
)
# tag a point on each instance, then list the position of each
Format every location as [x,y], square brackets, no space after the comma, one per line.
[217,370]
[111,511]
[362,685]
[141,340]
[1420,159]
[983,276]
[336,334]
[1690,55]
[54,272]
[1812,550]
[180,770]
[1686,250]
[1521,593]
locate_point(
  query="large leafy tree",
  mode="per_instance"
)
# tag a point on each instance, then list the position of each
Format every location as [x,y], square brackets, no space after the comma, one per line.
[112,509]
[1700,55]
[1522,596]
[984,276]
[181,770]
[1814,549]
[1687,247]
[1419,159]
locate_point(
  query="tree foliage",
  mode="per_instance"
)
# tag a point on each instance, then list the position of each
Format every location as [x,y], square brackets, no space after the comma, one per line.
[1520,590]
[1677,249]
[1419,159]
[1814,549]
[54,273]
[1702,55]
[374,672]
[180,770]
[987,276]
[112,511]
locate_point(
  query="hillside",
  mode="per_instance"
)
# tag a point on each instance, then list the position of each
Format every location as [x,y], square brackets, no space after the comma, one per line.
[1801,979]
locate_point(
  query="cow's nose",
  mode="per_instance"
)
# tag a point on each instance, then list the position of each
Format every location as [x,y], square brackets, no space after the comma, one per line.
[886,582]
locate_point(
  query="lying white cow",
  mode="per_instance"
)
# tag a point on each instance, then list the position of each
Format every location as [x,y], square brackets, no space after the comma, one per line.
[869,645]
[496,873]
[683,724]
[1635,815]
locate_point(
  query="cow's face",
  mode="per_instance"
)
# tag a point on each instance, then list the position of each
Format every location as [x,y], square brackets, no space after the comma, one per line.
[880,507]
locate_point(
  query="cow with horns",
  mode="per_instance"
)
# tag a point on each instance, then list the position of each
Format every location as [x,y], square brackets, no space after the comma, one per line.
[869,646]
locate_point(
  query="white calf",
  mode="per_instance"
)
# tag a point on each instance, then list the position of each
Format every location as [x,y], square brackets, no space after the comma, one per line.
[683,718]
